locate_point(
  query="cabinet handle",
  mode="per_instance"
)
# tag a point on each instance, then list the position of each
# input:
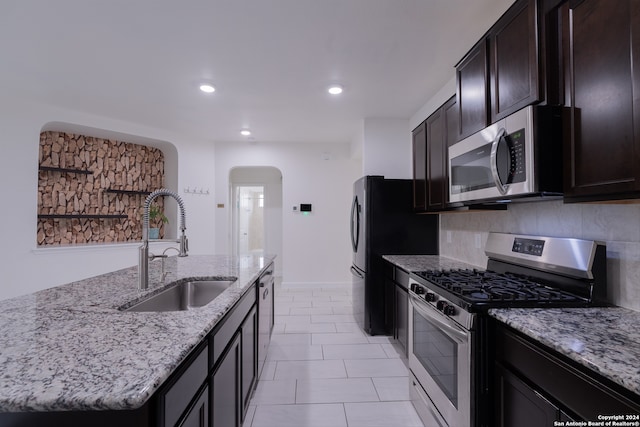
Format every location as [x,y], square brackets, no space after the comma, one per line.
[266,292]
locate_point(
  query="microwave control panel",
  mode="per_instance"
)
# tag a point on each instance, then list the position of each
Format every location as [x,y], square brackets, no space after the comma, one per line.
[516,149]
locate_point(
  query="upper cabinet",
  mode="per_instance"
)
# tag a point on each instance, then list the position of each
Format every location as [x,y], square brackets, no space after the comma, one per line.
[514,61]
[601,64]
[431,141]
[502,72]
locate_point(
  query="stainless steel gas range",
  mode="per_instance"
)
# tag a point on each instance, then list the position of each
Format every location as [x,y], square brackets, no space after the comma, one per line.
[449,336]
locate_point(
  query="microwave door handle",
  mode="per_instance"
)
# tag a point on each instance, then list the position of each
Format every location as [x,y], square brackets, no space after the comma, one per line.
[452,332]
[494,162]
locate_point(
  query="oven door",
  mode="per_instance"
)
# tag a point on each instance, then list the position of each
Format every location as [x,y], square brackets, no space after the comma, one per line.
[440,359]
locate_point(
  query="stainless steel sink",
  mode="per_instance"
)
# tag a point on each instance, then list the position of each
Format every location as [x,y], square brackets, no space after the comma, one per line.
[183,296]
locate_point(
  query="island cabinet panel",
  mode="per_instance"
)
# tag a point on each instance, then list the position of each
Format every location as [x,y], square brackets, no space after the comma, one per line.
[249,357]
[198,415]
[601,57]
[533,382]
[183,387]
[226,387]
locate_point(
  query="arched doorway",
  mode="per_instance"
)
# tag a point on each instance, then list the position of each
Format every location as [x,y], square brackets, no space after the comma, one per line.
[256,213]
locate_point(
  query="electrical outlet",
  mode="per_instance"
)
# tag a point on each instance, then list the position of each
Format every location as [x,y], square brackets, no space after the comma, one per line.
[478,239]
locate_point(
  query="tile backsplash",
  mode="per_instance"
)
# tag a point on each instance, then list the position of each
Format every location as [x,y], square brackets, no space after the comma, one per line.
[463,236]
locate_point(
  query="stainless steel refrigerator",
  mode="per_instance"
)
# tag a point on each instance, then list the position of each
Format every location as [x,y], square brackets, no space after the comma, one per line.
[383,223]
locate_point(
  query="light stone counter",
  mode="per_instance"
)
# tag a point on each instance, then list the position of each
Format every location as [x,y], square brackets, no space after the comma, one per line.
[604,339]
[411,263]
[71,348]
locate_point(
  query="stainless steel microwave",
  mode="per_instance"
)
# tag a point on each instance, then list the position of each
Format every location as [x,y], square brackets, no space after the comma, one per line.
[519,156]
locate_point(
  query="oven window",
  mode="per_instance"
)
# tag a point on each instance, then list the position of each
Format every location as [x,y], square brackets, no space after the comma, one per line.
[438,354]
[472,171]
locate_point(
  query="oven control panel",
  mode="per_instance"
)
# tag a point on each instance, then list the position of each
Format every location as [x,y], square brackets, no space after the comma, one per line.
[528,246]
[441,304]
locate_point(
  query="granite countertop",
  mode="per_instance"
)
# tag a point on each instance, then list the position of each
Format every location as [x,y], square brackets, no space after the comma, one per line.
[426,262]
[71,348]
[604,339]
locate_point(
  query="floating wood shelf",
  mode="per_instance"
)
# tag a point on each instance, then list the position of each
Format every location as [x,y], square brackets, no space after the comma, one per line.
[132,192]
[81,216]
[67,170]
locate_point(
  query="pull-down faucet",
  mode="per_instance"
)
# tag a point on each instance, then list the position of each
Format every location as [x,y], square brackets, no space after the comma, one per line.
[143,253]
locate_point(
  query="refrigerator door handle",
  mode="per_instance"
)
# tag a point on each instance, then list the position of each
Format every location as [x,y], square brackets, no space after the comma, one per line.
[355,224]
[356,273]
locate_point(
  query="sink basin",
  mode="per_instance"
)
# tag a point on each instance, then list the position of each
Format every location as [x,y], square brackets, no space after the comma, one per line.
[186,295]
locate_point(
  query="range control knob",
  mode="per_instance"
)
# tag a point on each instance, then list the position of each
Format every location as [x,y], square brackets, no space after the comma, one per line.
[419,290]
[413,287]
[449,310]
[430,296]
[440,305]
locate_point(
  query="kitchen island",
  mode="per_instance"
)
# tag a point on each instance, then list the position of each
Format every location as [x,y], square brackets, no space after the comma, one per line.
[73,348]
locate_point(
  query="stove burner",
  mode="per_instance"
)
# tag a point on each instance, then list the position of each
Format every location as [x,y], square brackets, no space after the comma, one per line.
[486,286]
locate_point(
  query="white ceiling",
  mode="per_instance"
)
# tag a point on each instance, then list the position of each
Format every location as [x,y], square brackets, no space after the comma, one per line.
[270,60]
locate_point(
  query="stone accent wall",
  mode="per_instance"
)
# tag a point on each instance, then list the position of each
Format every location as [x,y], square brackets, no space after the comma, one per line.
[131,170]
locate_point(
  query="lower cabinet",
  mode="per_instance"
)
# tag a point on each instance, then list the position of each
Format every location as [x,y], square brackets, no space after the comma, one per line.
[397,303]
[517,404]
[535,386]
[225,396]
[249,350]
[198,415]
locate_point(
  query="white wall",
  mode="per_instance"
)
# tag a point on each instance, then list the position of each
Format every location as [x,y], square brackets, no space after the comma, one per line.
[386,148]
[23,267]
[315,248]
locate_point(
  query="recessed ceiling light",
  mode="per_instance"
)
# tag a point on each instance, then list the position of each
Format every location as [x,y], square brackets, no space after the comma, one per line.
[207,88]
[335,89]
[245,132]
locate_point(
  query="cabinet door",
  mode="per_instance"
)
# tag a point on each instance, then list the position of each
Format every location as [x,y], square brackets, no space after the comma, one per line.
[198,415]
[519,405]
[402,317]
[436,152]
[420,168]
[225,395]
[249,357]
[601,53]
[471,80]
[514,60]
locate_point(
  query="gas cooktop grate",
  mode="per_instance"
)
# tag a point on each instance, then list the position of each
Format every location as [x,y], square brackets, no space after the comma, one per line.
[483,286]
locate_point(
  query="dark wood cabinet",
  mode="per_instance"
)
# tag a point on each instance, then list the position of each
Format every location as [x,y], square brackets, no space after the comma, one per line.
[431,141]
[436,159]
[601,57]
[535,383]
[502,73]
[226,387]
[519,405]
[397,306]
[420,168]
[198,415]
[471,88]
[514,60]
[249,358]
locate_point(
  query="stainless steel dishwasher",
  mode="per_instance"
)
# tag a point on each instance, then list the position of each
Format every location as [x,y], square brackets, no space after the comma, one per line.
[265,314]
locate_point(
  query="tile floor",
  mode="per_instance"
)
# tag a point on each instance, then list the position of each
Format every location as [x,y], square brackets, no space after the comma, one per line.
[323,371]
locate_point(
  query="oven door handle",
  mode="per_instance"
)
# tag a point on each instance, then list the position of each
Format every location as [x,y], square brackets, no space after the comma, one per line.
[452,332]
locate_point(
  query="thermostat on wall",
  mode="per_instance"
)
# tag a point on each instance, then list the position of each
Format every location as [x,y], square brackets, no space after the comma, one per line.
[305,207]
